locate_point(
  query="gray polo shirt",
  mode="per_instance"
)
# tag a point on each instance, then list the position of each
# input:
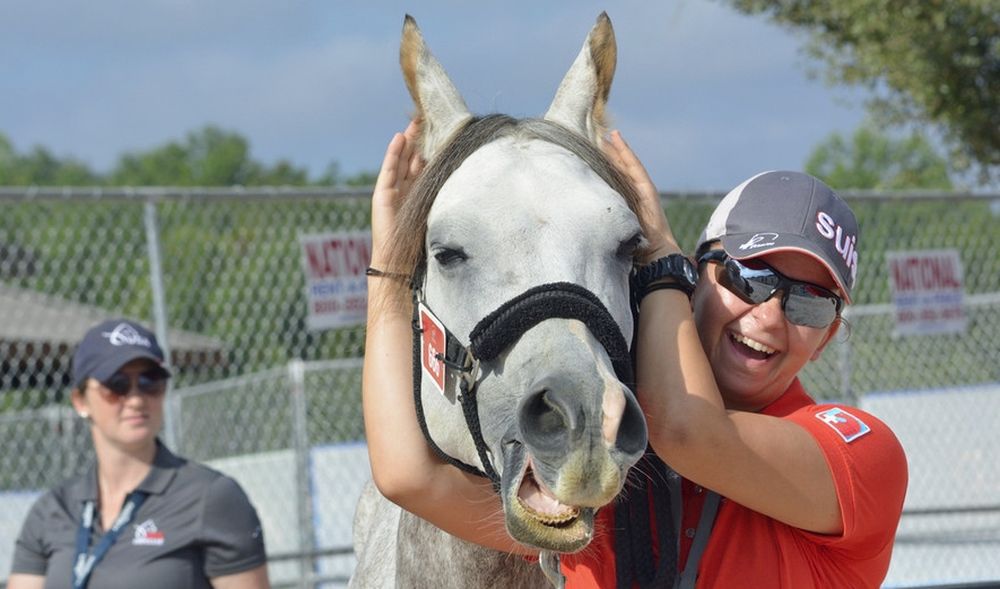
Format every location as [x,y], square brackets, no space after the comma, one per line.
[196,524]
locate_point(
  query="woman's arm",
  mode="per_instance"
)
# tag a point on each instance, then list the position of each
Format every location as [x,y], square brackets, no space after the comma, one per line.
[766,464]
[404,468]
[252,579]
[22,581]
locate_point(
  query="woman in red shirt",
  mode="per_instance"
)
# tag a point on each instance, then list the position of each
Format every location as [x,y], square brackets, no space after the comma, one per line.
[776,490]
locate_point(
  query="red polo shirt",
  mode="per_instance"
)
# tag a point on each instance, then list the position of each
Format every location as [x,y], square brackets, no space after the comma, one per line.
[747,549]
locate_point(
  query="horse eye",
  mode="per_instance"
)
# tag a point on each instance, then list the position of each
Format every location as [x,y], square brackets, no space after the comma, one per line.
[628,247]
[449,256]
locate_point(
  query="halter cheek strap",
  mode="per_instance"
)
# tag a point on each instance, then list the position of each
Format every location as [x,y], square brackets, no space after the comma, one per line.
[497,332]
[456,358]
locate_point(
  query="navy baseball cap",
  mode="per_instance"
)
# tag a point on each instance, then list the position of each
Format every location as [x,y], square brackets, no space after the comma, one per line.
[110,345]
[788,211]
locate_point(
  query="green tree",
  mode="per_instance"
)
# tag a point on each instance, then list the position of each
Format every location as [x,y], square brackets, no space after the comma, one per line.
[360,179]
[333,177]
[930,61]
[873,160]
[207,157]
[40,168]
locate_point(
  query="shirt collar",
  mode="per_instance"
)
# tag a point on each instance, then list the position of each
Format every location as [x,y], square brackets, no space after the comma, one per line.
[793,398]
[165,465]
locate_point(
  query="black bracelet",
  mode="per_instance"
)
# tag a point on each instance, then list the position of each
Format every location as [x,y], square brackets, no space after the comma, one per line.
[661,286]
[370,271]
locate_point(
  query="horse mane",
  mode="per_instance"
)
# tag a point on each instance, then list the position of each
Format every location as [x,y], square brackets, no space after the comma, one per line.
[406,246]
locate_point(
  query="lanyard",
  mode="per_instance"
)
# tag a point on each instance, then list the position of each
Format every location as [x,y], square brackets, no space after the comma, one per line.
[85,562]
[688,577]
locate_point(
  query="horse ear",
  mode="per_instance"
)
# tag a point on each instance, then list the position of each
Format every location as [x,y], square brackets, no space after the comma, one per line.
[583,94]
[440,107]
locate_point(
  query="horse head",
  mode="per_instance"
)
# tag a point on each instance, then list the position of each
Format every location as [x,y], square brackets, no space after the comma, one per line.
[521,236]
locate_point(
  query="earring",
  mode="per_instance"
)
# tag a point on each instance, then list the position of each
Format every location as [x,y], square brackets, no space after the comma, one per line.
[84,415]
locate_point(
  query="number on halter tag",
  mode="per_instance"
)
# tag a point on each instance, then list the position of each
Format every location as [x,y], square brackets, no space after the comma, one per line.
[433,346]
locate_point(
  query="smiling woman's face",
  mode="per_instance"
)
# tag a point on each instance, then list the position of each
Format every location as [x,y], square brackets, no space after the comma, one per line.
[754,351]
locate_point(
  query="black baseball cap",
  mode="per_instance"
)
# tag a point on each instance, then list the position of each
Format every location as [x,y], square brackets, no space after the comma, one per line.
[110,345]
[788,211]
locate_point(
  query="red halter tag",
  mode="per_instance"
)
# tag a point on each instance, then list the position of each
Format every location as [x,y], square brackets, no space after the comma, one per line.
[432,347]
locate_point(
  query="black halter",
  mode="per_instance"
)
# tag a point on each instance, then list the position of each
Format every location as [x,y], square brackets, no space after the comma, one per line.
[648,494]
[498,331]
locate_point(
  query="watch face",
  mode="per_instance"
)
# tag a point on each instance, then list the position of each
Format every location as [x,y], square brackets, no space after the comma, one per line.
[673,266]
[690,271]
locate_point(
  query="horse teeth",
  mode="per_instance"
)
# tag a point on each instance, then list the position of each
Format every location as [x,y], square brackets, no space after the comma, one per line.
[551,519]
[558,519]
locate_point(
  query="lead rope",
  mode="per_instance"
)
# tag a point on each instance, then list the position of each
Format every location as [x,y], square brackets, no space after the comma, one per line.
[650,497]
[467,397]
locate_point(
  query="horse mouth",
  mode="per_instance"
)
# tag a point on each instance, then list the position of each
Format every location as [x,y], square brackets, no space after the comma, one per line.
[533,514]
[541,505]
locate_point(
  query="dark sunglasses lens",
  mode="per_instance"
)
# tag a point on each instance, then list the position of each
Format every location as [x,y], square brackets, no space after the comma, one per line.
[805,304]
[753,286]
[809,306]
[118,384]
[151,383]
[148,383]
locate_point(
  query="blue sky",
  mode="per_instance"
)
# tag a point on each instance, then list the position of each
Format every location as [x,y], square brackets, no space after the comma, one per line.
[706,96]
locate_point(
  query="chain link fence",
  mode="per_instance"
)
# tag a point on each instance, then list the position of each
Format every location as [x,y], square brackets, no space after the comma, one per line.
[260,396]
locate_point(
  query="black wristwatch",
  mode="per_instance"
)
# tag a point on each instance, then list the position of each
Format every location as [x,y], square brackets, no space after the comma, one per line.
[674,271]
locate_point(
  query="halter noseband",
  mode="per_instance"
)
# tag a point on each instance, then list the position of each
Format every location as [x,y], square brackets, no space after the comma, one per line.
[497,332]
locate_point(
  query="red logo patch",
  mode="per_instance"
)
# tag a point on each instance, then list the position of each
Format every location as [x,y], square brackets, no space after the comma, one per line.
[847,425]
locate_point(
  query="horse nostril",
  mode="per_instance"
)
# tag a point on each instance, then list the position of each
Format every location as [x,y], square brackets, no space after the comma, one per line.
[632,435]
[550,417]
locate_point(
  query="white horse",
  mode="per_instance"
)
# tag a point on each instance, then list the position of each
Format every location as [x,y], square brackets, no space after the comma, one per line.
[521,236]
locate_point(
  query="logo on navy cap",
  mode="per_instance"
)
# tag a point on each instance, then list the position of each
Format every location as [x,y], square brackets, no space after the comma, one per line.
[126,335]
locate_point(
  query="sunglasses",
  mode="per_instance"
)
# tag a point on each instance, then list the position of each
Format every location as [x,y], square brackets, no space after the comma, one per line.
[754,282]
[151,382]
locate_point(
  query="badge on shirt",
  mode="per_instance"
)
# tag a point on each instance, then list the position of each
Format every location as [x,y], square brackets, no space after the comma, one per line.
[147,534]
[847,425]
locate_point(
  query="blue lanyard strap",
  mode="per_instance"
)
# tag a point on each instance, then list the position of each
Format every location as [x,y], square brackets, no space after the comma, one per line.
[85,562]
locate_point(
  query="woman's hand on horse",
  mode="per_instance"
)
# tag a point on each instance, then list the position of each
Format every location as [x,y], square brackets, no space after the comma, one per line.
[661,241]
[400,167]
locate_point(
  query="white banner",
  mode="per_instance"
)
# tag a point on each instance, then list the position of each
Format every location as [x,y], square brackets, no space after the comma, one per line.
[927,291]
[336,287]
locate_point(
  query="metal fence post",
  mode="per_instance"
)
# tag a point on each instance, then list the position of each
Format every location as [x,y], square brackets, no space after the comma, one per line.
[300,434]
[844,362]
[159,307]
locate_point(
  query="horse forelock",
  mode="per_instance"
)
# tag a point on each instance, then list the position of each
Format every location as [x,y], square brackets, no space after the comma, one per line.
[406,246]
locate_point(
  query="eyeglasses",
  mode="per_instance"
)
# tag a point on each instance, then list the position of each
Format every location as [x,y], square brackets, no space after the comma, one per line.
[754,282]
[151,382]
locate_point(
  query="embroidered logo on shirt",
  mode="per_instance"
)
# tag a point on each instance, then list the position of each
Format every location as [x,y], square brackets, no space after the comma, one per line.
[147,534]
[848,426]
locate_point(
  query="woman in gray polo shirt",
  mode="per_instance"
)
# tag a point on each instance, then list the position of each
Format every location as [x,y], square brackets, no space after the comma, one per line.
[141,516]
